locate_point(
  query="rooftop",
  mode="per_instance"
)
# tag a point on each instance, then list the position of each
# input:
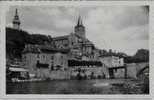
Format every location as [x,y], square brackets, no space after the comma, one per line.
[43,49]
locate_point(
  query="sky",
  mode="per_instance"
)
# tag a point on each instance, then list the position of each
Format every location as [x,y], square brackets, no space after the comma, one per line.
[120,28]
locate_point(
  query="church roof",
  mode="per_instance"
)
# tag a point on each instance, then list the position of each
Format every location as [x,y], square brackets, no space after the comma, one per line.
[61,37]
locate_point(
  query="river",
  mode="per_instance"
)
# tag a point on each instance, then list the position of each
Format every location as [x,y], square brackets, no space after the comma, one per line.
[103,86]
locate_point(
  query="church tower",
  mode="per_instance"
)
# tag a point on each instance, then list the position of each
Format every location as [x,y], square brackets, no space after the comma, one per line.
[79,28]
[16,21]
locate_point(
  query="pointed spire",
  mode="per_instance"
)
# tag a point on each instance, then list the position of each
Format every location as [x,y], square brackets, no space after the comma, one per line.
[16,17]
[16,14]
[79,21]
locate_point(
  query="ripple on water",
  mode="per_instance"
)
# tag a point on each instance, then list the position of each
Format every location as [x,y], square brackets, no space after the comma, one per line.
[101,84]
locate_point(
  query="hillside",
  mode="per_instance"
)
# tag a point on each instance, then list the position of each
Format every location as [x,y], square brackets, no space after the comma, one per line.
[16,40]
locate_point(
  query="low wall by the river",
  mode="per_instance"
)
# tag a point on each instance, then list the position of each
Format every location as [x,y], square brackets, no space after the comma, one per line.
[132,70]
[100,72]
[45,73]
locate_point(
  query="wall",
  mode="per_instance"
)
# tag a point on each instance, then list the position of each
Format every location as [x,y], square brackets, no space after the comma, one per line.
[46,73]
[134,68]
[112,61]
[98,71]
[29,61]
[119,73]
[53,59]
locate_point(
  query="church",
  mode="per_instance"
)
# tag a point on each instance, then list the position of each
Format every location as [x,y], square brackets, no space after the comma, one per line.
[80,47]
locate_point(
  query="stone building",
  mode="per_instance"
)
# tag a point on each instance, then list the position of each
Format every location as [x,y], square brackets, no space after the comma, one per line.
[36,56]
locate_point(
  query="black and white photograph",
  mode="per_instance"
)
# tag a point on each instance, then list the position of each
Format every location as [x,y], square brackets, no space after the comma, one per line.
[77,49]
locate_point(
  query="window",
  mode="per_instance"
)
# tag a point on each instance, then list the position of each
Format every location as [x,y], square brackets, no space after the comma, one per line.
[38,56]
[51,63]
[52,58]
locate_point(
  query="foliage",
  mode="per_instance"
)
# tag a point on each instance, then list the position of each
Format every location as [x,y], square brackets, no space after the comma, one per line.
[16,40]
[142,55]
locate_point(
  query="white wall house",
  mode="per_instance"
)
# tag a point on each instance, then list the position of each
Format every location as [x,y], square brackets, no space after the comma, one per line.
[112,61]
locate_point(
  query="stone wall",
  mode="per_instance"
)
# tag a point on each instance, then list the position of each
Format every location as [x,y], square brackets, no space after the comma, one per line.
[45,73]
[88,71]
[119,73]
[59,75]
[134,68]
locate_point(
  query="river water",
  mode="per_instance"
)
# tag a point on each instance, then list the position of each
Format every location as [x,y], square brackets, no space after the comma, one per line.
[103,86]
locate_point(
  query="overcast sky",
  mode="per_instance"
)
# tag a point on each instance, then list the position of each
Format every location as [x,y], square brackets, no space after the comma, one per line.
[121,28]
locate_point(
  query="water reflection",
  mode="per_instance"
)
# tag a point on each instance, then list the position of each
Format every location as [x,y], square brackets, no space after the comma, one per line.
[66,87]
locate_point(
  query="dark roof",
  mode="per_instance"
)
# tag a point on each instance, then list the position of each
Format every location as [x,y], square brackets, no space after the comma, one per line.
[43,49]
[83,63]
[61,37]
[47,50]
[41,65]
[108,55]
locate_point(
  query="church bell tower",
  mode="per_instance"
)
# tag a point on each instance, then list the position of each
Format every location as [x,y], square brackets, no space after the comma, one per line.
[79,28]
[16,21]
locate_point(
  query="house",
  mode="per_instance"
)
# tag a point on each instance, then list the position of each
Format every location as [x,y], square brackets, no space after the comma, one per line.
[112,61]
[41,57]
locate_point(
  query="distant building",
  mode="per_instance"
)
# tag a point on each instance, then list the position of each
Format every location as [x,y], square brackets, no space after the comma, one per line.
[16,21]
[112,61]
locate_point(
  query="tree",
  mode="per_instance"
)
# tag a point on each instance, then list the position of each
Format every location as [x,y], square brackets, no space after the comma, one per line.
[17,39]
[142,55]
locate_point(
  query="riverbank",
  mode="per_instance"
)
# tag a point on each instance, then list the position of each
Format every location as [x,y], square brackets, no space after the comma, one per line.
[95,86]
